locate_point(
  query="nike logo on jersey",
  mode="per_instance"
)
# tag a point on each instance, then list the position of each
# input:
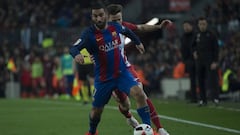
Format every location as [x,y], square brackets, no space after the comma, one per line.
[98,39]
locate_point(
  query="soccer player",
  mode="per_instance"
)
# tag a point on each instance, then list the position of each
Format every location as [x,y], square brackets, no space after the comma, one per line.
[103,41]
[115,15]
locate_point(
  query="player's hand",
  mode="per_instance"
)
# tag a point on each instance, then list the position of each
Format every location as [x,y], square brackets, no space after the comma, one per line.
[213,66]
[79,58]
[140,48]
[195,56]
[165,23]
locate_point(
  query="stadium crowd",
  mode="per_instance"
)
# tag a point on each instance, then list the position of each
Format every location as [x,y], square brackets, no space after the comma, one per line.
[162,54]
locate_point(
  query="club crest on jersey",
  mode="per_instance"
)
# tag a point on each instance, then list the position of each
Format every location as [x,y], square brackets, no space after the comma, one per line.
[114,33]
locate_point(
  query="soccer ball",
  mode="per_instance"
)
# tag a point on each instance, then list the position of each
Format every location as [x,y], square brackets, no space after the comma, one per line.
[143,129]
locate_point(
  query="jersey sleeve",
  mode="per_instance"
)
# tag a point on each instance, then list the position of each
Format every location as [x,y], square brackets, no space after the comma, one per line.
[131,26]
[79,44]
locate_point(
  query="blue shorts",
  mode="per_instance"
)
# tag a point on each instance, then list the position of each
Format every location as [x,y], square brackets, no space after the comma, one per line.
[103,90]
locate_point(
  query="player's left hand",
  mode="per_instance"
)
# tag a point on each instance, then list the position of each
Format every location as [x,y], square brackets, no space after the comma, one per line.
[165,22]
[140,48]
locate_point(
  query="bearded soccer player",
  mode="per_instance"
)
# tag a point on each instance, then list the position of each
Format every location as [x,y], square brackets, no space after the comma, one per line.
[103,41]
[115,15]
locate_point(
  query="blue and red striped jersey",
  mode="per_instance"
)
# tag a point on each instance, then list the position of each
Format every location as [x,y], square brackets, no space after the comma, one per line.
[105,45]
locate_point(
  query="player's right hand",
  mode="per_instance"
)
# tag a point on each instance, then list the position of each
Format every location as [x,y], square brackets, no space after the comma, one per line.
[79,58]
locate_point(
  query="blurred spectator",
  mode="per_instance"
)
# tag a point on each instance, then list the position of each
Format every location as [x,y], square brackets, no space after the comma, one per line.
[179,70]
[38,82]
[26,80]
[57,79]
[3,76]
[68,69]
[205,51]
[231,82]
[187,40]
[48,73]
[22,21]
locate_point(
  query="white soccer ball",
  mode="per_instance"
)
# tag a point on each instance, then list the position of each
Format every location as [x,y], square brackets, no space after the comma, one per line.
[143,129]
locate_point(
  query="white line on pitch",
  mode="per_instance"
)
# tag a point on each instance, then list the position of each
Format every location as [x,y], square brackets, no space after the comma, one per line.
[188,122]
[162,117]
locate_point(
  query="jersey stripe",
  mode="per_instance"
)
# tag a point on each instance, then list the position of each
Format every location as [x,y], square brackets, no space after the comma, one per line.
[115,38]
[102,55]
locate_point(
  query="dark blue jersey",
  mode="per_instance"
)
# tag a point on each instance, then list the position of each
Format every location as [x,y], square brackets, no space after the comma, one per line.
[105,45]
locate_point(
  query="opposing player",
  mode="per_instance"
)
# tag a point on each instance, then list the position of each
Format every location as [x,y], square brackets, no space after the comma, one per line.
[103,41]
[115,15]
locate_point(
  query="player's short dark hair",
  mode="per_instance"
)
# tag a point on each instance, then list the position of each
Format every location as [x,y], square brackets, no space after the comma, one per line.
[113,9]
[97,5]
[202,18]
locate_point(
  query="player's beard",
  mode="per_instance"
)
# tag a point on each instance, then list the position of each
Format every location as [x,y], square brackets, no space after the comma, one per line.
[100,25]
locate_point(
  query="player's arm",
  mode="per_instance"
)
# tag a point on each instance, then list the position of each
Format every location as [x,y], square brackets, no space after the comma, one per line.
[77,47]
[194,47]
[127,32]
[150,28]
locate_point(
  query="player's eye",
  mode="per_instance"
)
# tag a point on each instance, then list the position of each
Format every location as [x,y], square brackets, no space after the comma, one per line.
[101,15]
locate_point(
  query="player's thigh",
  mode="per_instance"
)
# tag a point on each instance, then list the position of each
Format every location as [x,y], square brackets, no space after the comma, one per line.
[102,93]
[125,82]
[120,96]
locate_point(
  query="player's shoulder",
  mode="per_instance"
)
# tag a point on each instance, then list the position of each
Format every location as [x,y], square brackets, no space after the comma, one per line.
[129,25]
[124,23]
[87,31]
[115,24]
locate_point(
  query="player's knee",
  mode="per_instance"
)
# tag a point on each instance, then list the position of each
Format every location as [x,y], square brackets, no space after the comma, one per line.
[137,92]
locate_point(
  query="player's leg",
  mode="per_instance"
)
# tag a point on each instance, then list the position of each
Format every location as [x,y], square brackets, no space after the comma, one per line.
[94,119]
[127,84]
[124,106]
[201,75]
[153,113]
[142,107]
[101,97]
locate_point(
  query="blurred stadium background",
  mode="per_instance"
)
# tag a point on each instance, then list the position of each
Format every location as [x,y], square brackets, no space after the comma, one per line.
[31,29]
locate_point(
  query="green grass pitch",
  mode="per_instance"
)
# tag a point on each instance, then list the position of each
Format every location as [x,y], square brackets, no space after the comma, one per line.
[58,117]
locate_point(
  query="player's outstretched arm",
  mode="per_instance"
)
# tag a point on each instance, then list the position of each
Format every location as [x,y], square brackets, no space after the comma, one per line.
[150,28]
[127,32]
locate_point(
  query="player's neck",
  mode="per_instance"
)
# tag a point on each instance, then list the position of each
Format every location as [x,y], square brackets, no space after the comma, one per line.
[101,28]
